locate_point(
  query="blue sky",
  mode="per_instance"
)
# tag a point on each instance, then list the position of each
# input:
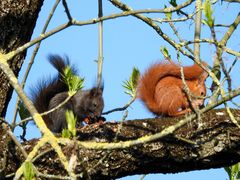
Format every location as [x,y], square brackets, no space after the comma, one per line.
[128,43]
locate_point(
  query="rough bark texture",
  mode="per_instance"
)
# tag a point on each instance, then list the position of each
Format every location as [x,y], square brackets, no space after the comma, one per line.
[17,21]
[215,144]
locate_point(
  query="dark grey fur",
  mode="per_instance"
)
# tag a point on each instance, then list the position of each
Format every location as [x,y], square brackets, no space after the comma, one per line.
[50,93]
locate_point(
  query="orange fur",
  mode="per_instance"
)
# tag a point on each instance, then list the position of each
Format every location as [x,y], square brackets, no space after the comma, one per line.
[162,90]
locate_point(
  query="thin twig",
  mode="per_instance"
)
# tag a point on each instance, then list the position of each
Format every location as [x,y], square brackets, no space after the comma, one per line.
[9,132]
[233,119]
[120,125]
[179,37]
[49,111]
[174,20]
[100,44]
[232,1]
[190,95]
[197,32]
[121,108]
[67,10]
[233,64]
[228,50]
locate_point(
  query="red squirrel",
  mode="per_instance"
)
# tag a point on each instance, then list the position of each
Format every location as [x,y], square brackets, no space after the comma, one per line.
[87,105]
[162,90]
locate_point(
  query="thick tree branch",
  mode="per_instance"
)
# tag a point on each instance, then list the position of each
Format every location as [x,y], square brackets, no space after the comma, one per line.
[215,144]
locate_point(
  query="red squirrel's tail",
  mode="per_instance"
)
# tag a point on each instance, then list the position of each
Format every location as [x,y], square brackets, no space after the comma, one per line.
[149,80]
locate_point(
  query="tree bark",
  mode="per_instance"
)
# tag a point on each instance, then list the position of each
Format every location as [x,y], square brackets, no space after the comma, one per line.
[17,21]
[214,144]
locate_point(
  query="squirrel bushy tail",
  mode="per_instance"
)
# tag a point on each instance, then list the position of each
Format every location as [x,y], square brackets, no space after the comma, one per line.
[47,89]
[150,79]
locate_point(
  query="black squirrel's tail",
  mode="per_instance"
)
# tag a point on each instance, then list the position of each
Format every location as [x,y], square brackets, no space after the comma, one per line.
[48,88]
[60,63]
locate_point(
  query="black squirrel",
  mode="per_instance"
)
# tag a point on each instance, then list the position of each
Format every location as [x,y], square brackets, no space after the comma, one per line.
[87,105]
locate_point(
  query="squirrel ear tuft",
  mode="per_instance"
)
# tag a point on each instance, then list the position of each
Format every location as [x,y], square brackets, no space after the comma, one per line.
[101,87]
[96,91]
[203,76]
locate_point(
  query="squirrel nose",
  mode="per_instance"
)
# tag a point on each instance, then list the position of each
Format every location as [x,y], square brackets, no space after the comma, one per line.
[201,106]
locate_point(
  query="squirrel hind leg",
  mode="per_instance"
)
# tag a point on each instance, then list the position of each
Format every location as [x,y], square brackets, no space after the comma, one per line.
[176,108]
[169,99]
[179,112]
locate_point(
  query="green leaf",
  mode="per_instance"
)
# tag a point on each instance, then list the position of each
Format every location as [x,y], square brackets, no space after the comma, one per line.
[23,112]
[228,170]
[233,171]
[208,12]
[66,133]
[73,81]
[204,21]
[165,53]
[169,14]
[131,84]
[28,171]
[71,122]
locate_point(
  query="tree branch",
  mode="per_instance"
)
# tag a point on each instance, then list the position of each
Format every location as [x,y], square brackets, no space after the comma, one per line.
[215,144]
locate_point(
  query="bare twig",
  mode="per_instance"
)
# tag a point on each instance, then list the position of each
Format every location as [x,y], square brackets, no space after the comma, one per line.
[67,10]
[197,32]
[121,108]
[49,111]
[236,1]
[227,50]
[9,132]
[100,44]
[179,37]
[230,31]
